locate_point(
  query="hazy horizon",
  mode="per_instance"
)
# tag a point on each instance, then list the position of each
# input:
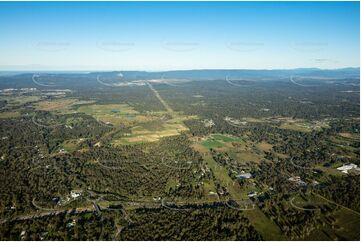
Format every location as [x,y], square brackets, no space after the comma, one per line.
[170,70]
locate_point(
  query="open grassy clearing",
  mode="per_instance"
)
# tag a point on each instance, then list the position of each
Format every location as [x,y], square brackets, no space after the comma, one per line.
[209,188]
[345,226]
[244,156]
[347,135]
[255,120]
[140,134]
[219,140]
[264,146]
[115,114]
[329,170]
[295,127]
[226,138]
[343,141]
[151,127]
[240,149]
[200,148]
[104,109]
[301,125]
[145,127]
[289,123]
[9,115]
[74,121]
[307,201]
[172,183]
[19,100]
[63,105]
[265,226]
[211,144]
[344,147]
[70,145]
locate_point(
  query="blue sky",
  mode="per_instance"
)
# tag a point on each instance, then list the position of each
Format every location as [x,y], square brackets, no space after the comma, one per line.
[178,35]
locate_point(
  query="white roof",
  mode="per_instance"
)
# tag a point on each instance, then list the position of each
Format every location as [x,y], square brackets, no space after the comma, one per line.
[347,167]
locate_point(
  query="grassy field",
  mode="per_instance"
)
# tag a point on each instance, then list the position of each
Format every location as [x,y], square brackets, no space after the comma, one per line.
[209,187]
[264,146]
[9,115]
[219,140]
[226,138]
[144,127]
[347,135]
[19,100]
[346,225]
[248,155]
[266,227]
[115,114]
[70,145]
[295,127]
[211,144]
[240,149]
[301,125]
[63,105]
[153,130]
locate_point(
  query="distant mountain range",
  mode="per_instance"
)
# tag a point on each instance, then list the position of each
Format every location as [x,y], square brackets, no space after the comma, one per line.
[244,73]
[210,74]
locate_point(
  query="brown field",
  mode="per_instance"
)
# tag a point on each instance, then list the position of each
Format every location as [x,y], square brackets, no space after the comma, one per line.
[58,105]
[265,146]
[347,135]
[295,127]
[200,148]
[9,114]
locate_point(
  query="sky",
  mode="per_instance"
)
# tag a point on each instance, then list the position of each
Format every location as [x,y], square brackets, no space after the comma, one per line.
[157,36]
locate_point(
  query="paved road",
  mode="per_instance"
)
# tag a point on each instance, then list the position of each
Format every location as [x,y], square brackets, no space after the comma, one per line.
[337,204]
[97,209]
[119,229]
[167,107]
[45,214]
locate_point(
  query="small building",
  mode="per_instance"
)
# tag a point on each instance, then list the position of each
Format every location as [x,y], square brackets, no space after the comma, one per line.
[62,151]
[71,224]
[244,176]
[252,194]
[346,167]
[55,199]
[74,194]
[220,191]
[208,123]
[297,180]
[294,179]
[315,183]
